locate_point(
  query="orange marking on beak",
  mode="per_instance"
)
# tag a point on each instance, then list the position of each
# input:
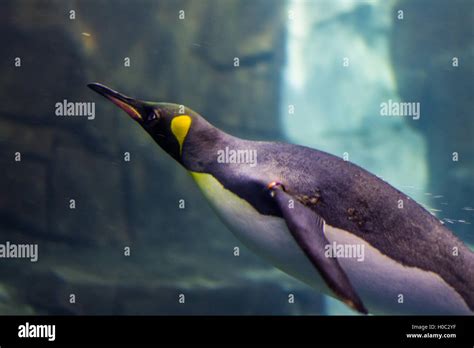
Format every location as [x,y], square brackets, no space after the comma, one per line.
[127,108]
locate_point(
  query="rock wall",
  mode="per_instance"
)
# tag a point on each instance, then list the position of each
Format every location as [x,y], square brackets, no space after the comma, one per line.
[426,72]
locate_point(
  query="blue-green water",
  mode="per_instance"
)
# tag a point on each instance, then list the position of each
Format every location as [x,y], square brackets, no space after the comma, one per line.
[105,205]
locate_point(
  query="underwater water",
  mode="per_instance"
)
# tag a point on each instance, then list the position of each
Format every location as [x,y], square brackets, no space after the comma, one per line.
[121,228]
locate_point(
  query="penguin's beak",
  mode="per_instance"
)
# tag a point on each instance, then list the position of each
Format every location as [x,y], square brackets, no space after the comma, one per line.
[129,105]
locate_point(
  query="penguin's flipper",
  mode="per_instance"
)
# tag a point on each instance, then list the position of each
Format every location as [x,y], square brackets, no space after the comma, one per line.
[307,228]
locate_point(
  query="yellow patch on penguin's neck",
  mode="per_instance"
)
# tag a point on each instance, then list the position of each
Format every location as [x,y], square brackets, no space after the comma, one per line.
[180,126]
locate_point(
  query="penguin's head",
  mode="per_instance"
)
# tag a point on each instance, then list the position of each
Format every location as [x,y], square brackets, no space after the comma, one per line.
[168,124]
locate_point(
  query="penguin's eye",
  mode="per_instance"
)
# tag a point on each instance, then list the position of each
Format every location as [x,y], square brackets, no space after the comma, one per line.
[153,115]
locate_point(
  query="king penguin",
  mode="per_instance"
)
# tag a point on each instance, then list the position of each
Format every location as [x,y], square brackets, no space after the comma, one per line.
[295,204]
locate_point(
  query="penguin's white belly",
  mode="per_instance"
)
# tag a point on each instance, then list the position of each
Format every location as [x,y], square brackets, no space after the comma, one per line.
[384,285]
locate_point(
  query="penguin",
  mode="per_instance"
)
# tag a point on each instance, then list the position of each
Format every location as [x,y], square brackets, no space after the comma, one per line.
[307,212]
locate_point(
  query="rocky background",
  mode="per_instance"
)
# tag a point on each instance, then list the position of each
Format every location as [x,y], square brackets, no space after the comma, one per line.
[131,204]
[434,65]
